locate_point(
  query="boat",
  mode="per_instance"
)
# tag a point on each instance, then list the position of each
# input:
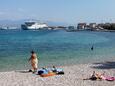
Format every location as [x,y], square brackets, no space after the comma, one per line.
[4,28]
[33,25]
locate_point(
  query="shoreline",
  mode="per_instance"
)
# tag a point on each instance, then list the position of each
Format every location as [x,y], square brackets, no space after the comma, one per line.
[110,59]
[73,76]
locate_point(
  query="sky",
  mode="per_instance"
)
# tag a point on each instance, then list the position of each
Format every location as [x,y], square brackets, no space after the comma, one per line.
[68,11]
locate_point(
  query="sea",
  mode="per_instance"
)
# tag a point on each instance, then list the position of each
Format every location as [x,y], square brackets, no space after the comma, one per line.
[54,48]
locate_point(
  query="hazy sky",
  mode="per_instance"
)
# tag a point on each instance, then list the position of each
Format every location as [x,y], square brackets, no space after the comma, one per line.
[70,11]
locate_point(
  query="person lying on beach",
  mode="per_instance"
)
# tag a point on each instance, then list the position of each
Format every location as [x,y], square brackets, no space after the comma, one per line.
[94,76]
[58,71]
[34,61]
[44,72]
[98,76]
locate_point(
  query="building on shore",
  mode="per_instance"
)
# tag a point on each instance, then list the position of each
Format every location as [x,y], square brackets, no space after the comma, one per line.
[71,28]
[92,25]
[107,26]
[81,26]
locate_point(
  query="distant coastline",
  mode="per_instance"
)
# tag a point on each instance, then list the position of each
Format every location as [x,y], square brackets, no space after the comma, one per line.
[101,27]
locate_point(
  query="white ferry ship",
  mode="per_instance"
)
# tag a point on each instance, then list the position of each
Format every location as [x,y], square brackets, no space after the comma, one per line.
[32,25]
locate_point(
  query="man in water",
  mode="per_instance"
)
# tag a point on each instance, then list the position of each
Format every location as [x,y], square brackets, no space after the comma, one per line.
[92,48]
[34,61]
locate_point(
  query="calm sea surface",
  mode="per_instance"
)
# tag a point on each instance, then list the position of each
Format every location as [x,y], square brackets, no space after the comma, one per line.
[54,47]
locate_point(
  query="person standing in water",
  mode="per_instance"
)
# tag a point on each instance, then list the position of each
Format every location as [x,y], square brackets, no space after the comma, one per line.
[34,61]
[92,48]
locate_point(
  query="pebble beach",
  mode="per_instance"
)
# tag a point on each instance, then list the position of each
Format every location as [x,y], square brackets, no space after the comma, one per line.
[73,76]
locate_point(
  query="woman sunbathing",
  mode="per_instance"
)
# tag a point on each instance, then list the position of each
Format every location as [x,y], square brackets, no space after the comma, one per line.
[94,76]
[97,76]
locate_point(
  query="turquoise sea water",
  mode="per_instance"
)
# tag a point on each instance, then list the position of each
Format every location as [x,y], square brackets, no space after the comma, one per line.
[54,47]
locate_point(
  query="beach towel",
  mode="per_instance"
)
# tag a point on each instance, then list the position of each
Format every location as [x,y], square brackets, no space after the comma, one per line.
[48,74]
[110,78]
